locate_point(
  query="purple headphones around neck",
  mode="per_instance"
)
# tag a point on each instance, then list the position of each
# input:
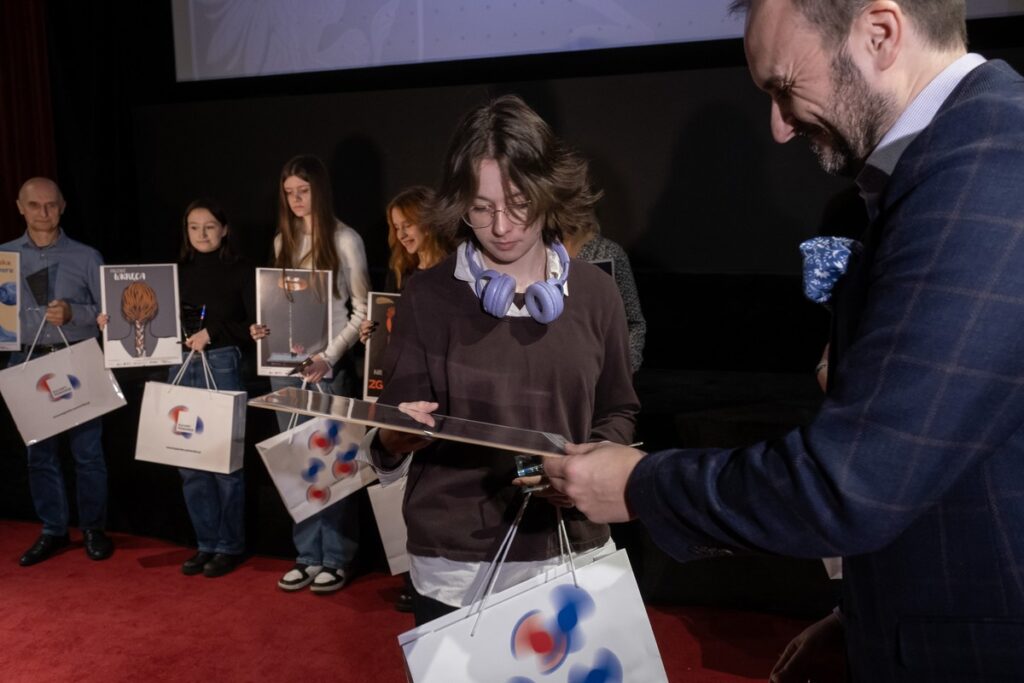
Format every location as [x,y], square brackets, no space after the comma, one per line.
[495,290]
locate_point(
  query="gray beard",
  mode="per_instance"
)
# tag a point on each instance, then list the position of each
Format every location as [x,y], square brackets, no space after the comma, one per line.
[858,118]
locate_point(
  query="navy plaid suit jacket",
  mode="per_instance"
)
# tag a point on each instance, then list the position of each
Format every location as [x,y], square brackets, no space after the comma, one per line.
[913,470]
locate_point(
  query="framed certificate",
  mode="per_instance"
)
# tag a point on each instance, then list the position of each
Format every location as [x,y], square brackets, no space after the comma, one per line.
[314,403]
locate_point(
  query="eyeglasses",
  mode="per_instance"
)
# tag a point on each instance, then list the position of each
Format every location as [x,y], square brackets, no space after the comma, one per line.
[481,216]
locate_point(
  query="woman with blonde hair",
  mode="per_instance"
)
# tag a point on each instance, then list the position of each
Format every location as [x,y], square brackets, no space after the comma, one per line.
[414,246]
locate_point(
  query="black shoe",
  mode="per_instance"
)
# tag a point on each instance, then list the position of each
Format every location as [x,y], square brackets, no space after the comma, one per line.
[194,564]
[98,545]
[404,601]
[221,564]
[44,547]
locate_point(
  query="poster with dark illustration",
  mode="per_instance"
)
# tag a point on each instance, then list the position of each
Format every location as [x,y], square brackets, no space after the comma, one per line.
[380,312]
[295,306]
[142,307]
[10,301]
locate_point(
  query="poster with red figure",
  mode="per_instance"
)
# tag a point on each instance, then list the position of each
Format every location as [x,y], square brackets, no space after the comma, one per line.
[381,314]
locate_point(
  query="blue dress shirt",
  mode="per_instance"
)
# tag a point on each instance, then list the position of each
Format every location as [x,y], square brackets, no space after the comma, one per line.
[74,276]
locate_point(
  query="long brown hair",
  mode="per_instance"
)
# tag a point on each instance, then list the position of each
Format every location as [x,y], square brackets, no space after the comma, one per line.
[289,226]
[548,173]
[414,203]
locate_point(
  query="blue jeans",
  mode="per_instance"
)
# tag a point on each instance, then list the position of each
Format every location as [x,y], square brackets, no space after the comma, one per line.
[46,481]
[329,538]
[215,502]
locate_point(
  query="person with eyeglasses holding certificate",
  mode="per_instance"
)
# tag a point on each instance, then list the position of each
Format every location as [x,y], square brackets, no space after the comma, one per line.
[505,330]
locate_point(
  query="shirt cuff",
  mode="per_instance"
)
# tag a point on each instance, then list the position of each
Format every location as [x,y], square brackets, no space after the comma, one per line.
[372,457]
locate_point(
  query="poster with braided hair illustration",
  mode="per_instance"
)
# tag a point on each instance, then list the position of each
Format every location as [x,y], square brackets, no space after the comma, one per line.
[143,319]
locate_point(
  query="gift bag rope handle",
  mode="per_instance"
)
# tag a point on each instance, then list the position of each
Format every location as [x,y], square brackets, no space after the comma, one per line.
[294,419]
[35,339]
[491,577]
[207,372]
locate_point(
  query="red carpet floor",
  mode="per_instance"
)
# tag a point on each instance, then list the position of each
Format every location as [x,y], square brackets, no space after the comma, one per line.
[135,617]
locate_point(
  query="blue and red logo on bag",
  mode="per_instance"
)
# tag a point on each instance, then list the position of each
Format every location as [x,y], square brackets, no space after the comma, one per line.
[551,638]
[43,385]
[327,441]
[310,473]
[607,669]
[175,415]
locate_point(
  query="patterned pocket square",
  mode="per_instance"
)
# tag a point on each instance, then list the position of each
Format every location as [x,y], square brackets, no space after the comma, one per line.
[825,261]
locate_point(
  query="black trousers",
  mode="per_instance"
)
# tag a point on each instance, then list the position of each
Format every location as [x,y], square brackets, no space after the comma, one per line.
[426,609]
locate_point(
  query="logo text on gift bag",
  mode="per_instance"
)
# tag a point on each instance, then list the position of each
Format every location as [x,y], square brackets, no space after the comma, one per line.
[551,638]
[326,443]
[57,387]
[186,423]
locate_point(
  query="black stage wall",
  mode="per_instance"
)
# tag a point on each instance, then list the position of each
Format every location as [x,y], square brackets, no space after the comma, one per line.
[709,208]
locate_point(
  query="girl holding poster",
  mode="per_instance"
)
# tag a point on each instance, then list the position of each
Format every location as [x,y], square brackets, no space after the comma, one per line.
[310,236]
[218,300]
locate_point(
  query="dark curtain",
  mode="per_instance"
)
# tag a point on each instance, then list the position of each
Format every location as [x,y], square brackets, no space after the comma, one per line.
[26,115]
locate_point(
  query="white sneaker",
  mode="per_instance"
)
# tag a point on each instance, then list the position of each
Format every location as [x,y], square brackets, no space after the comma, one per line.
[298,577]
[328,580]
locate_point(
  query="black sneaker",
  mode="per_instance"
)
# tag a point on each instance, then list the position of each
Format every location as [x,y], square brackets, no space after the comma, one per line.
[194,564]
[221,564]
[298,577]
[328,580]
[404,602]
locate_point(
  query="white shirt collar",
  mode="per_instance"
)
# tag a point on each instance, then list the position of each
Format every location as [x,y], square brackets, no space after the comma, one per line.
[462,272]
[920,113]
[914,119]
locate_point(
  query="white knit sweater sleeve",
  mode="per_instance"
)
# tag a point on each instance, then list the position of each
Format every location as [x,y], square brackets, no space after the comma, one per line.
[353,272]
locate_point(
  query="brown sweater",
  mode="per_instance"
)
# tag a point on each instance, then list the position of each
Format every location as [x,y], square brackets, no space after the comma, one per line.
[572,377]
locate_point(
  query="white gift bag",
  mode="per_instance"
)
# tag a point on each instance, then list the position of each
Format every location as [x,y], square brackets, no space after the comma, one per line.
[313,465]
[201,429]
[570,625]
[53,393]
[387,510]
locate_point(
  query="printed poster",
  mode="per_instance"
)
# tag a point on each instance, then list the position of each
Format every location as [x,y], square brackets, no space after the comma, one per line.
[295,305]
[143,320]
[380,310]
[10,300]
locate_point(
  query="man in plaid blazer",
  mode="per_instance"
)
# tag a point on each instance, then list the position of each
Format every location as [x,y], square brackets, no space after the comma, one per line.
[913,470]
